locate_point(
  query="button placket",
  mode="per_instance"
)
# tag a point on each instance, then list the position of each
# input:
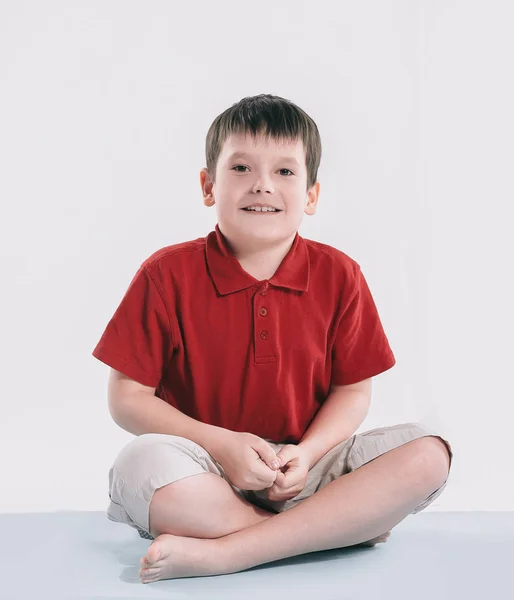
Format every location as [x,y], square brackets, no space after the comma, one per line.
[263,345]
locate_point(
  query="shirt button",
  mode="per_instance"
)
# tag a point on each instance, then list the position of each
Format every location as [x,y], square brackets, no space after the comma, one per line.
[264,335]
[263,312]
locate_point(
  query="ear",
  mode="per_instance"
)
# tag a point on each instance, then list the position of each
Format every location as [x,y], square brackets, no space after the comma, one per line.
[312,199]
[207,187]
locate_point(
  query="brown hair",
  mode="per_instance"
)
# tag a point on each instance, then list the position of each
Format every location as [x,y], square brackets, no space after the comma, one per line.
[270,116]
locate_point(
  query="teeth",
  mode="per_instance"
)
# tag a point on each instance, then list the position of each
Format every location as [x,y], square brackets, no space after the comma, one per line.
[262,209]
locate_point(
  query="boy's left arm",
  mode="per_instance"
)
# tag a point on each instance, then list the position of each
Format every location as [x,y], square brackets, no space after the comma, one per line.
[337,420]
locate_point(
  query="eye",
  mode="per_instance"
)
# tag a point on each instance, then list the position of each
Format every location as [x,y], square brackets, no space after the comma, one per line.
[243,166]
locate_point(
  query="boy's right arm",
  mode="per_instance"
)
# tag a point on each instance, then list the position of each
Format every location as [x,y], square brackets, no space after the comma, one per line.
[136,408]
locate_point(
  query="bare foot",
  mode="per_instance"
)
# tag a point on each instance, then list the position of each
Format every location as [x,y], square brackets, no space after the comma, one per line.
[377,540]
[172,556]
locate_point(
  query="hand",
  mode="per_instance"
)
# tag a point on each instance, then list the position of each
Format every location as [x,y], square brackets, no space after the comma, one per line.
[289,484]
[246,459]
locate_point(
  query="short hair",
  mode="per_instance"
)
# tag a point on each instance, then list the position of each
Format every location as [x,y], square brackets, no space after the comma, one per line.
[269,116]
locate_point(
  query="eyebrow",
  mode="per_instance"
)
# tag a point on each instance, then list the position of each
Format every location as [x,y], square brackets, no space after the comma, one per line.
[245,155]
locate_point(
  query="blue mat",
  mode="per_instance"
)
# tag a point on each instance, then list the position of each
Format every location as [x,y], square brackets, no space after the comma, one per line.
[432,556]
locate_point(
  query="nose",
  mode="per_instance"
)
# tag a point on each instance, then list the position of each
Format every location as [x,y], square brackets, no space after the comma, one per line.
[264,186]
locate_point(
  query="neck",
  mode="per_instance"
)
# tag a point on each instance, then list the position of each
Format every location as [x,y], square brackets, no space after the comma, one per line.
[262,263]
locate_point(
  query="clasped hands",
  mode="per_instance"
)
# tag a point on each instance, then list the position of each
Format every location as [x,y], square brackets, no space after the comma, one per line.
[291,475]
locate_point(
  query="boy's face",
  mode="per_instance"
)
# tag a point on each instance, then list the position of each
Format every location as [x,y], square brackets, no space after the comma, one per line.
[271,174]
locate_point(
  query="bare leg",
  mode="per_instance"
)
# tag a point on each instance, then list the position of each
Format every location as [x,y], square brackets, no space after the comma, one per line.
[201,506]
[205,506]
[351,509]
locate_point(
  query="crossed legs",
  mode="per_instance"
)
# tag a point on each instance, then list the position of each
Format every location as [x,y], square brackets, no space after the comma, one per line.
[350,510]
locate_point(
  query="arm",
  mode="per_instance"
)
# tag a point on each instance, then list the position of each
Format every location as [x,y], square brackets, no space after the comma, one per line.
[339,417]
[136,408]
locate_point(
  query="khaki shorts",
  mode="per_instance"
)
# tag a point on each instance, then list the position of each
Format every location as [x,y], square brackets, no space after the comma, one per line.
[151,461]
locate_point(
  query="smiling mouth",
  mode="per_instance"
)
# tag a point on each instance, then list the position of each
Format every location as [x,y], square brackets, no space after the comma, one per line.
[262,212]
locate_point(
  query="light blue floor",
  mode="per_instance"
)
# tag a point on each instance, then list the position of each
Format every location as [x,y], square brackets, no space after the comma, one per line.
[431,555]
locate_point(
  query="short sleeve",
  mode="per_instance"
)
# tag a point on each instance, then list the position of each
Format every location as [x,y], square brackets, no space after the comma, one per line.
[138,340]
[361,348]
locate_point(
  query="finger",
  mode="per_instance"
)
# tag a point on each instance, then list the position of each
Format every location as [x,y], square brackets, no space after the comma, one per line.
[267,454]
[279,495]
[280,479]
[286,482]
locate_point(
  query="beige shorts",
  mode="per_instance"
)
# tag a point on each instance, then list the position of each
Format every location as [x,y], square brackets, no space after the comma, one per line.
[151,461]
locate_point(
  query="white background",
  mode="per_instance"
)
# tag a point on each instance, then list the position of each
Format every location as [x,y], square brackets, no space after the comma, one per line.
[105,106]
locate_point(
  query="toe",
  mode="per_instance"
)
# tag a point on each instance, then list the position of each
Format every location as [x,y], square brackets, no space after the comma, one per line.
[153,554]
[149,575]
[149,572]
[379,539]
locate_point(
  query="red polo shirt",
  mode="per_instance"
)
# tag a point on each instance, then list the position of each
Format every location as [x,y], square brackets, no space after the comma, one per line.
[247,355]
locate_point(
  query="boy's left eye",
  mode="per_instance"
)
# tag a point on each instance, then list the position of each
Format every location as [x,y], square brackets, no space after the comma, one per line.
[244,167]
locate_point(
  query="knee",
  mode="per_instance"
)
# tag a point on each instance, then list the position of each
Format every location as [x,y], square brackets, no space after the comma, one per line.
[432,459]
[140,449]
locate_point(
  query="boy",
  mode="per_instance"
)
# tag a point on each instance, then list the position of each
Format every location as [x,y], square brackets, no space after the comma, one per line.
[249,346]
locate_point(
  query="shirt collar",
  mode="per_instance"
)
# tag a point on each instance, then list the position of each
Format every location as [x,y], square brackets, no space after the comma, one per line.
[229,276]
